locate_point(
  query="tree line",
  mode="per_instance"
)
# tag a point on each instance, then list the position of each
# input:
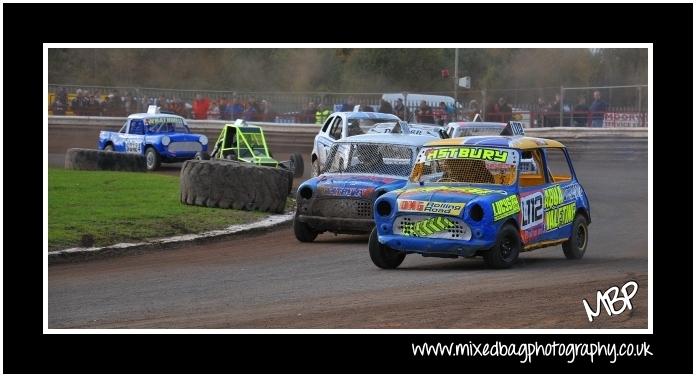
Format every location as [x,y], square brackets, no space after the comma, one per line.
[345,70]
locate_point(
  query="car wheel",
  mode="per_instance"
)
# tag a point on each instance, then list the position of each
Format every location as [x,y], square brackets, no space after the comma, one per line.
[152,159]
[384,256]
[575,247]
[506,250]
[297,165]
[202,156]
[303,232]
[109,148]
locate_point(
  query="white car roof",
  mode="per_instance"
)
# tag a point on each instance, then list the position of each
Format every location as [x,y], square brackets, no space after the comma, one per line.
[159,115]
[366,115]
[388,138]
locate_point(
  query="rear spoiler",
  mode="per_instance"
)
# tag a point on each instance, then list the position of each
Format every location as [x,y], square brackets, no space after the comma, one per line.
[513,129]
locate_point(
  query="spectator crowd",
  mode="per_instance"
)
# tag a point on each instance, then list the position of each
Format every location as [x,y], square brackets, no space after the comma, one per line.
[87,102]
[94,103]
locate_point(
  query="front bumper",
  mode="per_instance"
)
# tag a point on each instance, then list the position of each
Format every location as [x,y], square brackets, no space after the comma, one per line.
[424,245]
[338,224]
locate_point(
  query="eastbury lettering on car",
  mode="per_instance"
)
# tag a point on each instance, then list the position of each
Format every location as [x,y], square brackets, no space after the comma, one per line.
[471,153]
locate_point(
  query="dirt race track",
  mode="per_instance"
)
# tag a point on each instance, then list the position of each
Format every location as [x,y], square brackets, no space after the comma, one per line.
[273,281]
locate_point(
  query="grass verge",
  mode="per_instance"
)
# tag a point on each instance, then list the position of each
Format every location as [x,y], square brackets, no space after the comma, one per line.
[100,208]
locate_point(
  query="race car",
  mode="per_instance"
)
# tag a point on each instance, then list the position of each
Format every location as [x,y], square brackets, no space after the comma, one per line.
[161,137]
[359,169]
[469,197]
[340,125]
[243,142]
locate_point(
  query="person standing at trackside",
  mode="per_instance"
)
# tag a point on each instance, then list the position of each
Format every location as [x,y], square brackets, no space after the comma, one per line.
[424,114]
[400,109]
[597,109]
[200,107]
[385,107]
[308,113]
[322,114]
[505,110]
[440,114]
[348,106]
[580,112]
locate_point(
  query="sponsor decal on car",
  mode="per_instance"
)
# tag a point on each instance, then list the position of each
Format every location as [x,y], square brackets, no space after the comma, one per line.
[428,227]
[560,216]
[485,154]
[505,207]
[452,209]
[553,196]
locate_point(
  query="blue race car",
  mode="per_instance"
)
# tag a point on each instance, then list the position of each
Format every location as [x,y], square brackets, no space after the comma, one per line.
[160,137]
[358,169]
[471,197]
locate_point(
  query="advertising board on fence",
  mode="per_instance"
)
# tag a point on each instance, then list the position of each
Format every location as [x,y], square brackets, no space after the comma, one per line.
[625,119]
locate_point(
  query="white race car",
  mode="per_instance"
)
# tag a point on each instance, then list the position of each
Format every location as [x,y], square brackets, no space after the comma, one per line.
[340,125]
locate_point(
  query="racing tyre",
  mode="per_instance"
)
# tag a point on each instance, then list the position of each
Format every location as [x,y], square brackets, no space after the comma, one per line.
[303,232]
[315,168]
[384,256]
[202,156]
[575,247]
[506,250]
[109,148]
[152,159]
[297,165]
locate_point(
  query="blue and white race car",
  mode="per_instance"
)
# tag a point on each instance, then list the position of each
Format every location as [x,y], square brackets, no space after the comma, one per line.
[358,170]
[160,137]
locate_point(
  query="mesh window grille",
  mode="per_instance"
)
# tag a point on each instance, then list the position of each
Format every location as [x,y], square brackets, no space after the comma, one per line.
[369,158]
[464,170]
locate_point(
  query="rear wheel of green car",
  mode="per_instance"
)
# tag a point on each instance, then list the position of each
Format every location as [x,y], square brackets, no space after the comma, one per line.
[384,256]
[576,245]
[506,250]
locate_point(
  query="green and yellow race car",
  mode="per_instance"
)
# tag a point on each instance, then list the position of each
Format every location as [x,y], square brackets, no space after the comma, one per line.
[247,143]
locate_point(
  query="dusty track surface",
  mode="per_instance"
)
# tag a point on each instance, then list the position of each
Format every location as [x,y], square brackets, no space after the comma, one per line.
[273,281]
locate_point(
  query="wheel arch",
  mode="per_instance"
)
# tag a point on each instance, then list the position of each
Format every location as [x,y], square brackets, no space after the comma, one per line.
[583,211]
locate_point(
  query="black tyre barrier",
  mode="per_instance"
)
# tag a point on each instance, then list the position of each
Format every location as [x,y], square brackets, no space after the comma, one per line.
[93,159]
[236,185]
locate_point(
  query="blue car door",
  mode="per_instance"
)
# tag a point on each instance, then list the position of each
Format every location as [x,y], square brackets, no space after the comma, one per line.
[533,182]
[117,138]
[133,140]
[563,195]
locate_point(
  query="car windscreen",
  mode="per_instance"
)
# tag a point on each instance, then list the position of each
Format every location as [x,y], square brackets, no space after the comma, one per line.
[358,126]
[166,125]
[371,158]
[466,164]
